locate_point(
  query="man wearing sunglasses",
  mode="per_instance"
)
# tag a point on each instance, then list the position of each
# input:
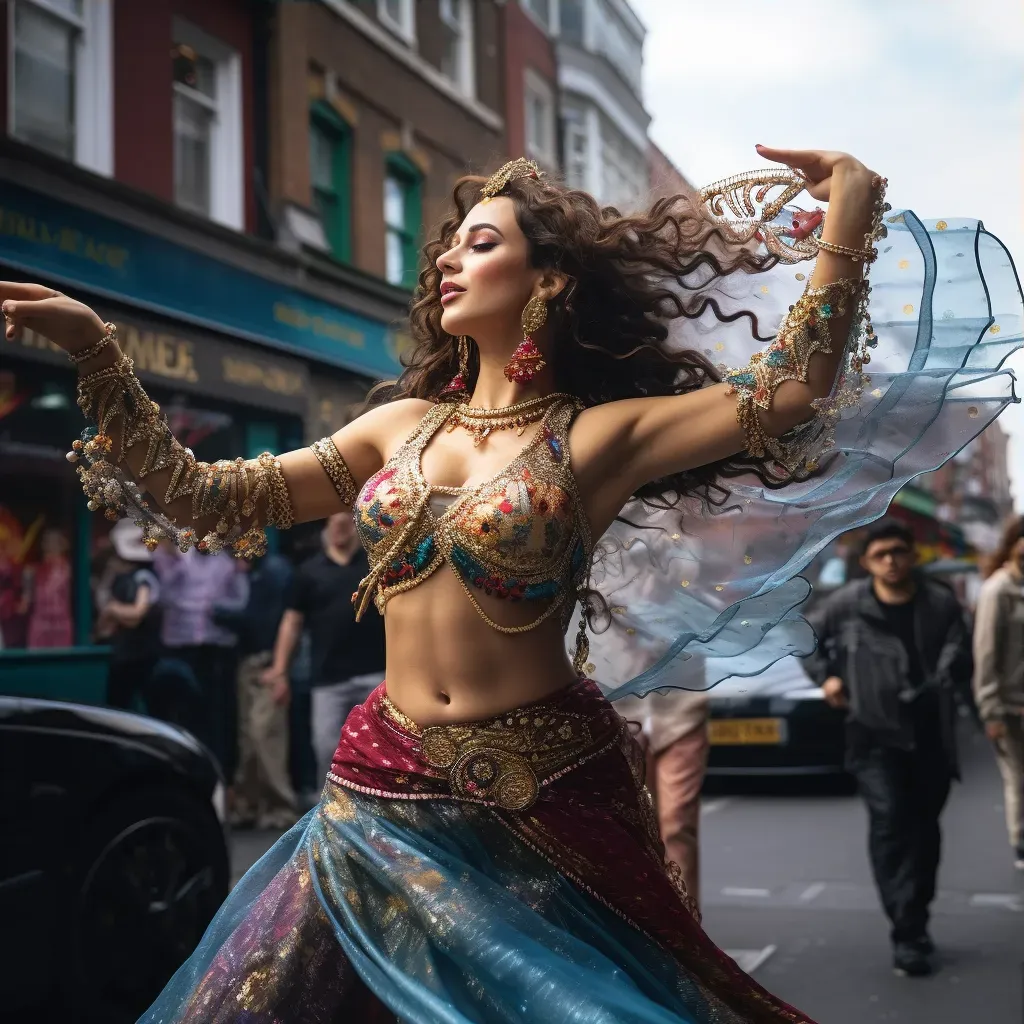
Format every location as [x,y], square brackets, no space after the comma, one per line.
[893,649]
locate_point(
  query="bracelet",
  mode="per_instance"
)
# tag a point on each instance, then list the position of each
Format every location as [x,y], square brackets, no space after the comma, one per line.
[857,255]
[85,354]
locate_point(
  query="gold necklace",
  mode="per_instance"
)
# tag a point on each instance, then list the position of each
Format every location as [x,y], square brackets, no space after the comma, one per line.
[480,422]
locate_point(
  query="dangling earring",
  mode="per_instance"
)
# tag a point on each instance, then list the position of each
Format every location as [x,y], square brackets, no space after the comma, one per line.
[527,361]
[460,382]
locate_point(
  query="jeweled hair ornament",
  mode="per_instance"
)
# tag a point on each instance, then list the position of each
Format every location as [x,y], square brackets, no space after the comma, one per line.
[497,182]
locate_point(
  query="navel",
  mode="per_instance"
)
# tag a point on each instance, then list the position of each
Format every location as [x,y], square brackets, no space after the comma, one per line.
[445,699]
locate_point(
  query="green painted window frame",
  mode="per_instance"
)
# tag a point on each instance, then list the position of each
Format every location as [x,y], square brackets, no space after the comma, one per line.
[403,170]
[334,206]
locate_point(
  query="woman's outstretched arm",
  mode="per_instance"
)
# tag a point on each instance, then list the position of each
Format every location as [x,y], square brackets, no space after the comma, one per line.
[214,505]
[649,438]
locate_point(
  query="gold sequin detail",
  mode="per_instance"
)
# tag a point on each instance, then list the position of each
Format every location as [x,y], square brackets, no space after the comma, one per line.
[908,309]
[505,759]
[903,264]
[684,583]
[941,225]
[973,412]
[994,329]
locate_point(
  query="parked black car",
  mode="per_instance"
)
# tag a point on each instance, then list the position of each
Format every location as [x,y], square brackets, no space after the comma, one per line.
[775,723]
[113,858]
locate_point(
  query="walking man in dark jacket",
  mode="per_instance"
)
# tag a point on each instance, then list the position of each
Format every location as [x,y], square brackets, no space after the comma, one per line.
[893,649]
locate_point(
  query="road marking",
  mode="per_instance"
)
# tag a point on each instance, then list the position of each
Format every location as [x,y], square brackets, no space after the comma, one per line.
[749,960]
[710,806]
[1006,900]
[735,890]
[812,892]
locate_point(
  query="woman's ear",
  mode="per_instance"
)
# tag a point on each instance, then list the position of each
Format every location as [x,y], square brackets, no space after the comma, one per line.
[552,284]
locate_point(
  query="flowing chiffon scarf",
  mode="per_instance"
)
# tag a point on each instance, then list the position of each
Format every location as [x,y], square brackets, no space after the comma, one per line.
[721,581]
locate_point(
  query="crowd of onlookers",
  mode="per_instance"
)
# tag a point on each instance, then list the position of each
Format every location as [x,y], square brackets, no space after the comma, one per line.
[261,659]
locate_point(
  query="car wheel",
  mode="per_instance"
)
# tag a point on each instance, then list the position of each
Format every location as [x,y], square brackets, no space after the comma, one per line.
[154,873]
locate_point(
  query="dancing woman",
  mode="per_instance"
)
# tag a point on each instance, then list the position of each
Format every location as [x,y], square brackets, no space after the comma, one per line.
[484,849]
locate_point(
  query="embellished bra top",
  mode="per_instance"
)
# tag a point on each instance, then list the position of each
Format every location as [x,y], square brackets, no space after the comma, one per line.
[521,535]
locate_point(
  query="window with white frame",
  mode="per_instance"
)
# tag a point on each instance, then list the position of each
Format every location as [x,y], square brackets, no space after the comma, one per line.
[457,43]
[539,110]
[208,160]
[60,95]
[399,16]
[576,145]
[618,44]
[623,167]
[543,12]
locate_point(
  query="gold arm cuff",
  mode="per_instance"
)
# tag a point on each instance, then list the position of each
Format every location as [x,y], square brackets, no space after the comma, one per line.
[337,471]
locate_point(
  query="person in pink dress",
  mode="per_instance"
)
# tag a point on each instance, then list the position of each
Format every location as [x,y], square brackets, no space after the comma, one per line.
[49,594]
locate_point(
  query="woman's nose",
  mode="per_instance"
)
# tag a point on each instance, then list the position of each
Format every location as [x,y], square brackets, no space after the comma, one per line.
[446,262]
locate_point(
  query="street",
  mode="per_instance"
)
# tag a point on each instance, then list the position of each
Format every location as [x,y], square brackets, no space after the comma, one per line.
[787,891]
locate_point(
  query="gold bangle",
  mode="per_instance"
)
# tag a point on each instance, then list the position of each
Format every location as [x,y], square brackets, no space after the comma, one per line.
[279,501]
[857,255]
[85,354]
[337,471]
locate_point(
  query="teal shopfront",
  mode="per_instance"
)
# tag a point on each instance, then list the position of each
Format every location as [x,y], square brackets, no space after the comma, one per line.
[228,354]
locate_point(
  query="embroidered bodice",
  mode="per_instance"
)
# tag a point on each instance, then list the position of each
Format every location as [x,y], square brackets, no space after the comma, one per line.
[521,535]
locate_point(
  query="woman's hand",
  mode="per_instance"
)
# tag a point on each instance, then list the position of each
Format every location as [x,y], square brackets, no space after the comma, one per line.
[821,169]
[66,322]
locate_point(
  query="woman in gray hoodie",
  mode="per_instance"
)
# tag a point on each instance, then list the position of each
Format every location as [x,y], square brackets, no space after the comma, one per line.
[999,672]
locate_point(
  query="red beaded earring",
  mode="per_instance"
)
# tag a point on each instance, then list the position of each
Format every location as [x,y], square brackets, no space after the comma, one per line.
[527,360]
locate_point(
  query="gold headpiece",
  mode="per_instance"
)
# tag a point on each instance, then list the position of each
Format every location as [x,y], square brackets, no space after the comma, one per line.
[519,168]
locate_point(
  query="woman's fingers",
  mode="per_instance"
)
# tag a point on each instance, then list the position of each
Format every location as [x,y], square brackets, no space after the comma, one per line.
[23,290]
[25,309]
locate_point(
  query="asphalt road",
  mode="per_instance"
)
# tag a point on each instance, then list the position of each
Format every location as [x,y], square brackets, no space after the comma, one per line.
[787,891]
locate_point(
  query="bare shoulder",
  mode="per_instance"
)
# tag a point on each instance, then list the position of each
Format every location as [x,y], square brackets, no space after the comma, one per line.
[388,425]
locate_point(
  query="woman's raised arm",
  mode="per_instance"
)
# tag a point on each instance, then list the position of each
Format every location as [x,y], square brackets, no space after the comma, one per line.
[132,465]
[650,438]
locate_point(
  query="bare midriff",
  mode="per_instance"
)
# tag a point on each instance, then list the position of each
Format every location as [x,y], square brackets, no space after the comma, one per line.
[446,664]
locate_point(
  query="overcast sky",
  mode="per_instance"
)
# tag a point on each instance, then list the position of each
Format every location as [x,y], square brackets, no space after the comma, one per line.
[929,93]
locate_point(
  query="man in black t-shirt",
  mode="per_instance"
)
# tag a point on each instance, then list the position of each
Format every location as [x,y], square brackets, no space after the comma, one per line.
[347,657]
[893,650]
[129,617]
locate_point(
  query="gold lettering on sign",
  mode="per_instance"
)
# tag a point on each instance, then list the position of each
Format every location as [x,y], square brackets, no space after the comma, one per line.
[321,326]
[15,224]
[162,354]
[250,374]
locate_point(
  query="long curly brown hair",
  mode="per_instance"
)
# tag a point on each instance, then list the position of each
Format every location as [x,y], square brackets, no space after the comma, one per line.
[628,276]
[1013,530]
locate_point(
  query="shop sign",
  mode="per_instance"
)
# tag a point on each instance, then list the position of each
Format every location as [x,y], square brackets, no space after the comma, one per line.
[82,249]
[200,364]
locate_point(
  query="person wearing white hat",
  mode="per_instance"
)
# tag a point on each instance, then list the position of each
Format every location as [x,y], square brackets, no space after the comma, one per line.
[130,616]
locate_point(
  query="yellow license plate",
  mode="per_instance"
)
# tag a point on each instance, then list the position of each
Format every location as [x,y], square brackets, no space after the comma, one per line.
[736,731]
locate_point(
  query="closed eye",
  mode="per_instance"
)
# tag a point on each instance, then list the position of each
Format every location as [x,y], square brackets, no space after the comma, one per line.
[483,246]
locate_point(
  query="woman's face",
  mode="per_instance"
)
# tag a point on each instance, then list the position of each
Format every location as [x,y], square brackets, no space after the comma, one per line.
[486,276]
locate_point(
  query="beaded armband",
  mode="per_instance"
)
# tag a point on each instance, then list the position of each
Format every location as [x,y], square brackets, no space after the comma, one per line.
[337,471]
[240,496]
[803,332]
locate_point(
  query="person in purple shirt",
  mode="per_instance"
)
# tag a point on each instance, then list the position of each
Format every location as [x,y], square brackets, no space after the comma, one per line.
[192,587]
